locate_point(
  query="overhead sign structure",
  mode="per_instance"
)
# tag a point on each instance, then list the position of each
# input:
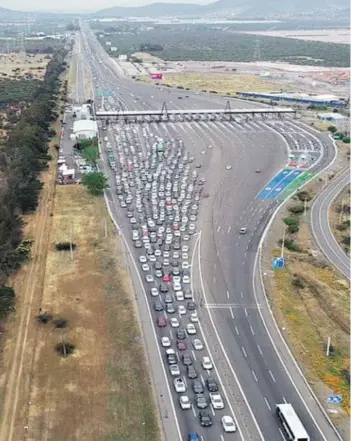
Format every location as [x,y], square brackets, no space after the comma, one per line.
[335,399]
[278,262]
[104,92]
[156,76]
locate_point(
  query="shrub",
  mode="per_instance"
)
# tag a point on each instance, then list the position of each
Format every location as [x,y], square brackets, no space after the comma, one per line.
[289,244]
[332,129]
[346,140]
[7,300]
[304,196]
[346,240]
[293,224]
[60,323]
[95,182]
[296,209]
[44,318]
[297,282]
[65,246]
[65,349]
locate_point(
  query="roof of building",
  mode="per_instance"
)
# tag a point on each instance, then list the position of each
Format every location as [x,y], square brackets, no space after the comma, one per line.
[85,125]
[331,115]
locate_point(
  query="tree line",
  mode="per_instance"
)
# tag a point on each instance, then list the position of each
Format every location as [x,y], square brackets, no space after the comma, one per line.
[22,158]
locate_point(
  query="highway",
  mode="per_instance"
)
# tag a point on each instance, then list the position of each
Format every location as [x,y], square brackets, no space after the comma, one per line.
[237,161]
[321,225]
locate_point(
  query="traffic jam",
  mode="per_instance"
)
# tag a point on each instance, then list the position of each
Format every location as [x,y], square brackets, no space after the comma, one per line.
[159,189]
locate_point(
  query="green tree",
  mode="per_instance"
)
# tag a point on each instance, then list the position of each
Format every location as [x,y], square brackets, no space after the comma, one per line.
[91,155]
[332,129]
[95,182]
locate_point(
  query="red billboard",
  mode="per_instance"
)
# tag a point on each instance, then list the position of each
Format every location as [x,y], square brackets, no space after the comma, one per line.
[156,76]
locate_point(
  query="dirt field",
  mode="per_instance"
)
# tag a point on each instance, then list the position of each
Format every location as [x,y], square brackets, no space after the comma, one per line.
[28,64]
[223,83]
[311,302]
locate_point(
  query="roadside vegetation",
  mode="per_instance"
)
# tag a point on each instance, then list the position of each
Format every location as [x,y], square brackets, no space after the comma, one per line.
[310,300]
[340,219]
[185,43]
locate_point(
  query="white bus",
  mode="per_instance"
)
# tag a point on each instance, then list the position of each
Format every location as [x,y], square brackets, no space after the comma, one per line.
[291,423]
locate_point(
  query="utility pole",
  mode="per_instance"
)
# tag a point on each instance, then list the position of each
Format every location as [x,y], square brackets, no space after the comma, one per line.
[63,344]
[283,244]
[328,347]
[305,207]
[71,242]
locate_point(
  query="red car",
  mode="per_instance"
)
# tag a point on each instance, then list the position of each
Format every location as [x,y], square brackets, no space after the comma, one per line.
[161,321]
[166,278]
[181,345]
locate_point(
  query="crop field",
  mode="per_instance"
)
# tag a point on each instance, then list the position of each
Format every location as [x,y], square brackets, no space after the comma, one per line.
[17,66]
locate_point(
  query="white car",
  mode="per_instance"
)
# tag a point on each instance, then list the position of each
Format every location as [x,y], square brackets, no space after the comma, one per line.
[207,363]
[179,296]
[190,329]
[154,292]
[216,400]
[177,287]
[145,267]
[174,322]
[152,258]
[157,253]
[185,256]
[181,309]
[186,279]
[185,265]
[193,317]
[166,342]
[184,402]
[228,424]
[142,259]
[149,278]
[198,346]
[174,370]
[179,385]
[176,279]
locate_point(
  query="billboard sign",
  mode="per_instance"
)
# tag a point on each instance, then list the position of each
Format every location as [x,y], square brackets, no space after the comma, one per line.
[156,76]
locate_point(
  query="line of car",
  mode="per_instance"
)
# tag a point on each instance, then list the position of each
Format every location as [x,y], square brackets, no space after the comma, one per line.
[161,194]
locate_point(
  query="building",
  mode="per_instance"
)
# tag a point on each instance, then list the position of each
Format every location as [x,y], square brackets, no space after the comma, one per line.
[82,112]
[85,129]
[334,118]
[297,98]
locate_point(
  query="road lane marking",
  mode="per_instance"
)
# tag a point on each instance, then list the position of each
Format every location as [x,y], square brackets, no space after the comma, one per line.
[259,349]
[284,399]
[280,431]
[202,379]
[254,375]
[218,229]
[252,331]
[171,334]
[241,295]
[236,330]
[227,294]
[194,411]
[194,355]
[231,313]
[229,228]
[272,376]
[243,349]
[269,407]
[246,312]
[213,412]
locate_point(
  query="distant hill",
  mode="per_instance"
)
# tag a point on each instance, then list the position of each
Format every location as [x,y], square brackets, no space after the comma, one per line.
[242,8]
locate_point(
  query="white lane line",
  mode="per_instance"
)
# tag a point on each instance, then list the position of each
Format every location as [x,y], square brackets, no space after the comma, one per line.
[222,437]
[244,352]
[227,294]
[259,349]
[269,407]
[246,312]
[194,411]
[218,229]
[231,313]
[186,385]
[284,399]
[171,334]
[241,295]
[254,375]
[229,228]
[236,330]
[214,279]
[202,379]
[252,331]
[213,412]
[194,355]
[177,354]
[272,376]
[280,431]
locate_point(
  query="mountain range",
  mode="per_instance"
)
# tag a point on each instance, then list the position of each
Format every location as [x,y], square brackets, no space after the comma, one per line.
[225,8]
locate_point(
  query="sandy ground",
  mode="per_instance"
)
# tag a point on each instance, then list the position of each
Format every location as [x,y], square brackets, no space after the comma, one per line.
[325,35]
[310,300]
[27,65]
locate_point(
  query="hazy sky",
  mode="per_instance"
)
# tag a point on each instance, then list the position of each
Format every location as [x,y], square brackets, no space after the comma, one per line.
[82,5]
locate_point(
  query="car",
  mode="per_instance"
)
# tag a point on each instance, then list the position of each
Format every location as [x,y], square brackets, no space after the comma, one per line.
[181,345]
[142,259]
[205,419]
[193,436]
[171,356]
[185,265]
[161,321]
[168,298]
[158,273]
[181,335]
[163,287]
[186,279]
[190,329]
[179,385]
[170,309]
[193,317]
[228,424]
[243,230]
[166,342]
[258,170]
[211,384]
[207,363]
[176,279]
[216,400]
[185,256]
[174,322]
[191,305]
[184,402]
[201,401]
[174,370]
[166,278]
[145,267]
[158,306]
[197,344]
[192,372]
[154,292]
[177,286]
[181,309]
[187,360]
[185,248]
[149,278]
[197,387]
[179,296]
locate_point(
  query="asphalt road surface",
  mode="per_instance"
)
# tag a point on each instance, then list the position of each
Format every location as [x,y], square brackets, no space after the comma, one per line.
[236,159]
[321,225]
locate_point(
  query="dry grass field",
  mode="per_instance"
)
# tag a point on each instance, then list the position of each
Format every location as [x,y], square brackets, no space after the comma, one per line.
[34,65]
[340,218]
[224,83]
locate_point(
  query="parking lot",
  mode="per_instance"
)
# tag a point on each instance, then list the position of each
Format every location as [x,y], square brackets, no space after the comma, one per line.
[159,188]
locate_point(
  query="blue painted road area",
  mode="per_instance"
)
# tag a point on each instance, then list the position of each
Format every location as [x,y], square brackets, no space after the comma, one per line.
[279,183]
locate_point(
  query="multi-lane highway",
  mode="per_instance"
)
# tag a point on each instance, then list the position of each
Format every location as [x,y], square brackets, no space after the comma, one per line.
[321,224]
[237,161]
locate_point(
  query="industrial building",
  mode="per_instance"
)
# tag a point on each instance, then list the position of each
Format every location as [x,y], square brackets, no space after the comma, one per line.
[298,98]
[335,118]
[85,129]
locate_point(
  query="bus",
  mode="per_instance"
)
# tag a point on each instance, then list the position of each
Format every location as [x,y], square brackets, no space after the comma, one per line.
[291,423]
